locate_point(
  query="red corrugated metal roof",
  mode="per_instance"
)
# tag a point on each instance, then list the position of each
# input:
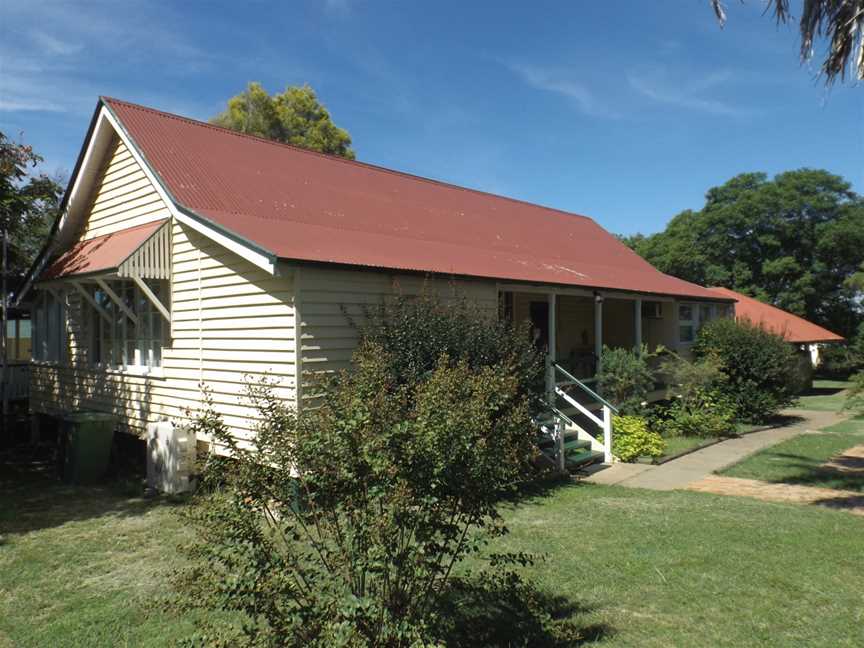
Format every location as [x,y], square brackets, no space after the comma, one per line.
[101,253]
[793,328]
[300,205]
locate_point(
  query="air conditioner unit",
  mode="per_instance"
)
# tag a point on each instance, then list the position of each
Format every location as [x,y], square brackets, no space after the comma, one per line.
[170,457]
[652,309]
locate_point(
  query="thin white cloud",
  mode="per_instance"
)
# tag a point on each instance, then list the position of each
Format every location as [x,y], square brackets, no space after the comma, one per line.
[23,93]
[561,83]
[47,54]
[53,45]
[16,104]
[656,84]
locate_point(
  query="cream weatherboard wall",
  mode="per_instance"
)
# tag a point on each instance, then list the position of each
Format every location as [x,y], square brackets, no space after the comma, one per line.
[231,321]
[124,196]
[330,297]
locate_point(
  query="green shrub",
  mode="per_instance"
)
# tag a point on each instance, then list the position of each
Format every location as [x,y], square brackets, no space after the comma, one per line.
[632,439]
[857,345]
[625,379]
[700,406]
[841,361]
[344,525]
[690,381]
[710,421]
[759,367]
[855,396]
[417,330]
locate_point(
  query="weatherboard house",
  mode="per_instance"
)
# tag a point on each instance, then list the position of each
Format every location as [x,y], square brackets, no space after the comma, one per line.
[186,253]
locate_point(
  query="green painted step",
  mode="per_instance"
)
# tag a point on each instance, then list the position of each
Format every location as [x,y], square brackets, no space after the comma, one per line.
[569,438]
[583,458]
[575,444]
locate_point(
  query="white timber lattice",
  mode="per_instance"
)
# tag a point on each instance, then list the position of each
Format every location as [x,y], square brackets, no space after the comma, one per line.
[152,259]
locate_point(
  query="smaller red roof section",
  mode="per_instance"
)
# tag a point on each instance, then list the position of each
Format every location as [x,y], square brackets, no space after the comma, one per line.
[101,253]
[793,328]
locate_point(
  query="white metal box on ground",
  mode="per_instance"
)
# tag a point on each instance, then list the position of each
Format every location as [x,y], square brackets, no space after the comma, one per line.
[170,457]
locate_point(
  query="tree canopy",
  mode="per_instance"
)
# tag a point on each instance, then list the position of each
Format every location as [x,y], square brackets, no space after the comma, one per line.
[294,117]
[840,22]
[28,203]
[795,241]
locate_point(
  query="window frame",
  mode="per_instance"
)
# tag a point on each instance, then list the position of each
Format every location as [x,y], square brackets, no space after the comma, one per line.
[127,351]
[696,320]
[49,330]
[691,322]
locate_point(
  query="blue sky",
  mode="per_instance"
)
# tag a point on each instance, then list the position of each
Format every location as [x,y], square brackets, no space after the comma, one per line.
[626,112]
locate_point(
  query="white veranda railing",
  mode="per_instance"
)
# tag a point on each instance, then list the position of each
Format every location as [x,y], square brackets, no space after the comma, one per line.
[594,414]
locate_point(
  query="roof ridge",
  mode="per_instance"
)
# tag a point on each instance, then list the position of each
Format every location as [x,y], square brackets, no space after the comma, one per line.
[336,158]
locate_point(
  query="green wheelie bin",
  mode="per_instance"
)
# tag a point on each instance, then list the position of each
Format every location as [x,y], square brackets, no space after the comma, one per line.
[87,439]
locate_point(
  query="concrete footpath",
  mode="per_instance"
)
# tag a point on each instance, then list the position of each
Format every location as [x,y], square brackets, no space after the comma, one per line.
[681,472]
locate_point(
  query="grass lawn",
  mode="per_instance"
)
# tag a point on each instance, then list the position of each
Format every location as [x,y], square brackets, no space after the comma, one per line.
[678,444]
[691,569]
[798,460]
[87,566]
[825,396]
[84,566]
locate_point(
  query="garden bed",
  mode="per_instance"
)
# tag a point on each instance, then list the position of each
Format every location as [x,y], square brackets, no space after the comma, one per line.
[683,445]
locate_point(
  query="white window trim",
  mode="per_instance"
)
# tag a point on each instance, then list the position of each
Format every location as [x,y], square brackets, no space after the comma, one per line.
[130,370]
[125,368]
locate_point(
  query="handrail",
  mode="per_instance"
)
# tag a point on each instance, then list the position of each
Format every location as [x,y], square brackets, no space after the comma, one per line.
[585,387]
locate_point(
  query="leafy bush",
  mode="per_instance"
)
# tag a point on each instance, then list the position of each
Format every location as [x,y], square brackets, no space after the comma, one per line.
[855,396]
[343,525]
[625,378]
[857,345]
[417,330]
[759,367]
[700,406]
[841,361]
[689,381]
[631,439]
[708,422]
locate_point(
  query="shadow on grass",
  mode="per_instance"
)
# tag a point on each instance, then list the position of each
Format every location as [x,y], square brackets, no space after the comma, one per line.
[781,420]
[32,496]
[805,471]
[506,610]
[842,503]
[544,485]
[823,391]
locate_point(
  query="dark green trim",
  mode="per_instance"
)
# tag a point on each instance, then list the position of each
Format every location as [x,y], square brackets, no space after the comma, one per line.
[27,283]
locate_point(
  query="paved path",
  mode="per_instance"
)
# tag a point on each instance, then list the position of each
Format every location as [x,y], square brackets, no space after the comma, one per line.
[850,501]
[680,473]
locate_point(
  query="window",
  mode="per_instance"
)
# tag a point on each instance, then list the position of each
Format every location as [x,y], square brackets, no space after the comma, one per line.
[686,323]
[706,314]
[18,340]
[49,313]
[117,341]
[691,318]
